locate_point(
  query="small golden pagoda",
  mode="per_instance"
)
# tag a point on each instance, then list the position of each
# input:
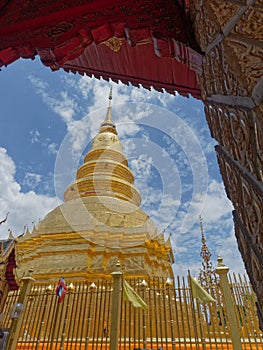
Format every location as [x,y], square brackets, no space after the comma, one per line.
[99,222]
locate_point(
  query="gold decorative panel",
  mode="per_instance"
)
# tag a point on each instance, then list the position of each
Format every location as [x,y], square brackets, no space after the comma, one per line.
[232,128]
[243,190]
[220,76]
[204,23]
[224,11]
[249,58]
[250,25]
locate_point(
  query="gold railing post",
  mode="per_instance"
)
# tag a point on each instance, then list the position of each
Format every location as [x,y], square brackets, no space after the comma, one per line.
[144,286]
[222,271]
[116,308]
[169,285]
[17,322]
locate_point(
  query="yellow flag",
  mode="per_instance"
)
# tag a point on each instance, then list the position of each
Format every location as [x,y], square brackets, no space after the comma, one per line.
[129,294]
[199,292]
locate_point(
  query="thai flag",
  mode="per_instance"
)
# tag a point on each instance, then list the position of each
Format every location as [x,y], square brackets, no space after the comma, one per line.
[61,289]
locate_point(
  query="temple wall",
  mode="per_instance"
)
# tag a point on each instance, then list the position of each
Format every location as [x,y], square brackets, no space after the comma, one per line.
[230,33]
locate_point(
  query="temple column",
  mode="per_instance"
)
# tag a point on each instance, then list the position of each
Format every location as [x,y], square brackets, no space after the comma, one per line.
[222,271]
[17,322]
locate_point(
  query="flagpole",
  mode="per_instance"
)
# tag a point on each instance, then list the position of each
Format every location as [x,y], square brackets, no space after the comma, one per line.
[56,324]
[116,308]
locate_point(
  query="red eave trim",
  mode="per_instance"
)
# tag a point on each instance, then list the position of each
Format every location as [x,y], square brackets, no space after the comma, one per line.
[171,88]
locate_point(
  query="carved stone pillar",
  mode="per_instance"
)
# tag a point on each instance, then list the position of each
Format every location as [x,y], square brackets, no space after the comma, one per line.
[230,34]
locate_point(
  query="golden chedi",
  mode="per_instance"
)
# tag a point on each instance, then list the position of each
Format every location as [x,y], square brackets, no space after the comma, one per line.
[99,222]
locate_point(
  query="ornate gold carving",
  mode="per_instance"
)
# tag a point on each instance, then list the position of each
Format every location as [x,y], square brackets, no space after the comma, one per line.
[250,24]
[235,66]
[219,77]
[2,271]
[223,11]
[258,120]
[230,126]
[240,137]
[114,43]
[249,58]
[251,260]
[245,199]
[204,23]
[252,215]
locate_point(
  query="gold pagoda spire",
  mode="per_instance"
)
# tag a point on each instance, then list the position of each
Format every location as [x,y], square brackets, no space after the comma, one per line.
[207,277]
[205,253]
[108,118]
[105,171]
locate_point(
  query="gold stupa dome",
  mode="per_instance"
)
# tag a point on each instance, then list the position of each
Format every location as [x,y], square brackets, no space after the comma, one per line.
[99,222]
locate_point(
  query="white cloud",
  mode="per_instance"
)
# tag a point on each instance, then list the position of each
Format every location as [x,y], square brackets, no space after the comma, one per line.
[78,135]
[217,204]
[61,104]
[162,208]
[52,148]
[218,229]
[32,180]
[214,208]
[34,135]
[66,107]
[141,166]
[23,208]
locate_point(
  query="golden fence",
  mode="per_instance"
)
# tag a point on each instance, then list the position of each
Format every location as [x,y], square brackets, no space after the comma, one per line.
[174,320]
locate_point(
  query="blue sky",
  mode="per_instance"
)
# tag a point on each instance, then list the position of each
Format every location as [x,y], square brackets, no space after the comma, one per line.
[48,120]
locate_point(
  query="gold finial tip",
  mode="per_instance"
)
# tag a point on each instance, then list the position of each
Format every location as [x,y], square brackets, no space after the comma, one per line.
[110,94]
[71,287]
[220,261]
[92,286]
[49,289]
[108,118]
[168,282]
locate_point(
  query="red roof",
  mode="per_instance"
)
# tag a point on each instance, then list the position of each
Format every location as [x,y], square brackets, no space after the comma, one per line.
[138,41]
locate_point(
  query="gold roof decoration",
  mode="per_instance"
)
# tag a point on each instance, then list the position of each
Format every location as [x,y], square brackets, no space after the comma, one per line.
[27,233]
[100,220]
[10,234]
[35,231]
